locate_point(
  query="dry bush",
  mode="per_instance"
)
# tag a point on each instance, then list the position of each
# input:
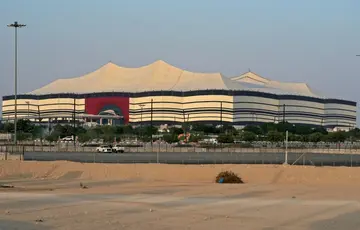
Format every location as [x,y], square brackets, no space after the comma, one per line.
[228,177]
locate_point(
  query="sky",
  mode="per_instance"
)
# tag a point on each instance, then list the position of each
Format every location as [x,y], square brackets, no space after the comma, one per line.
[312,41]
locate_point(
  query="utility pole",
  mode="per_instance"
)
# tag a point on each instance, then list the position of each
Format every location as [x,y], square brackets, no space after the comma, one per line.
[28,108]
[74,120]
[286,147]
[141,121]
[221,114]
[151,120]
[184,123]
[39,116]
[74,113]
[15,25]
[284,113]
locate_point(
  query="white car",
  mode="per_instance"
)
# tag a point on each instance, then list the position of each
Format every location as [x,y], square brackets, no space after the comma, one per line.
[69,138]
[104,149]
[118,149]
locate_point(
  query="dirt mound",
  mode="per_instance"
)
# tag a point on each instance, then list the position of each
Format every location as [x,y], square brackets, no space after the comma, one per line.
[253,174]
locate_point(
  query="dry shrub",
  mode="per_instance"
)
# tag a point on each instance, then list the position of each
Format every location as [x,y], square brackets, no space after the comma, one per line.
[228,177]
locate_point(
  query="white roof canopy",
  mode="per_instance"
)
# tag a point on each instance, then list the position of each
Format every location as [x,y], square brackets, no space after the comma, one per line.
[160,76]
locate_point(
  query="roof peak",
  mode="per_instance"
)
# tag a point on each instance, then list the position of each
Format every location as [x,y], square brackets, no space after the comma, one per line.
[251,77]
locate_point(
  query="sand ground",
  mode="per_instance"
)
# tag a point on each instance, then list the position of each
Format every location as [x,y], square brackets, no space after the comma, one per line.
[47,195]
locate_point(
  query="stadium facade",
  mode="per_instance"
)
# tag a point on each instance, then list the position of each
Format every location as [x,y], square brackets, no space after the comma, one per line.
[164,94]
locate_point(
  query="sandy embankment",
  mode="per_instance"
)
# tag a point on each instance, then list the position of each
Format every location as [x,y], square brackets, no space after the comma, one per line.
[253,174]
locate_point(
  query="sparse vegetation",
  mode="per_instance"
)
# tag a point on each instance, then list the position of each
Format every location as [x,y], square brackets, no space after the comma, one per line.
[83,186]
[226,134]
[228,177]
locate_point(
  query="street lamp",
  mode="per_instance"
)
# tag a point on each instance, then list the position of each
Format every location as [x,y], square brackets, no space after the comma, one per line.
[141,122]
[15,25]
[141,108]
[28,108]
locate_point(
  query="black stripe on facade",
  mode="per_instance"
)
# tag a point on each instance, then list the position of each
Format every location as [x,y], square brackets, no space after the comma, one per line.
[254,112]
[184,94]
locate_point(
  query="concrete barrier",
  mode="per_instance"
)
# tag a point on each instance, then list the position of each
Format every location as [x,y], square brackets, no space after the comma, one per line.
[8,156]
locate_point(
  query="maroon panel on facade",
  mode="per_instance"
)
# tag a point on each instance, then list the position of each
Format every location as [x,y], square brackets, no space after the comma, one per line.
[95,105]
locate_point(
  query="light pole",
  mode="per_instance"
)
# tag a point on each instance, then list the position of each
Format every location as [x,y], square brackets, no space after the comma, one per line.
[28,108]
[141,108]
[151,120]
[15,25]
[141,122]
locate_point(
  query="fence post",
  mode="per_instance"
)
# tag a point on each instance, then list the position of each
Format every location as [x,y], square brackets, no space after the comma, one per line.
[6,153]
[157,156]
[304,159]
[23,154]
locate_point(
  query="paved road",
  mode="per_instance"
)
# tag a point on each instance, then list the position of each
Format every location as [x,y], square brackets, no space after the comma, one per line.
[200,158]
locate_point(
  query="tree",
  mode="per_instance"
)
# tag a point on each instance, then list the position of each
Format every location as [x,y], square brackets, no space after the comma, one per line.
[336,136]
[248,136]
[253,129]
[315,137]
[321,130]
[170,138]
[37,132]
[229,129]
[303,129]
[266,127]
[24,126]
[84,137]
[64,130]
[205,128]
[176,131]
[195,138]
[295,137]
[80,130]
[128,129]
[354,134]
[150,130]
[52,137]
[9,127]
[21,136]
[108,137]
[275,136]
[225,138]
[119,129]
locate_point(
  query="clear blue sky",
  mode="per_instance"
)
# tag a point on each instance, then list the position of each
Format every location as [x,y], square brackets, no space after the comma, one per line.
[313,41]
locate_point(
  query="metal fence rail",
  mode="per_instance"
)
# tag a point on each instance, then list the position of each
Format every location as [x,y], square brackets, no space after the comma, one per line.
[165,153]
[295,158]
[66,147]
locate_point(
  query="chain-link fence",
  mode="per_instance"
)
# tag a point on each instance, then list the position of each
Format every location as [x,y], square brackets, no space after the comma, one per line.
[170,154]
[334,148]
[260,157]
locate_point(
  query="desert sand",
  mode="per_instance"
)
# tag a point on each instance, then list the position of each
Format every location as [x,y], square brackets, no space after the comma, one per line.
[47,195]
[253,174]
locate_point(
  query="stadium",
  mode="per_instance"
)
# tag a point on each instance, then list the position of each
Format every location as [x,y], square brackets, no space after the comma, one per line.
[160,93]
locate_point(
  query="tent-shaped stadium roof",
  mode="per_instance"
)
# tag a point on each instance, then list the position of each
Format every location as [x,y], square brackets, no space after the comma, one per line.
[160,76]
[270,85]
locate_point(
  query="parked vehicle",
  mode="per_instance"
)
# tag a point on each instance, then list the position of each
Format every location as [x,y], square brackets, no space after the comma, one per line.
[118,149]
[104,149]
[69,138]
